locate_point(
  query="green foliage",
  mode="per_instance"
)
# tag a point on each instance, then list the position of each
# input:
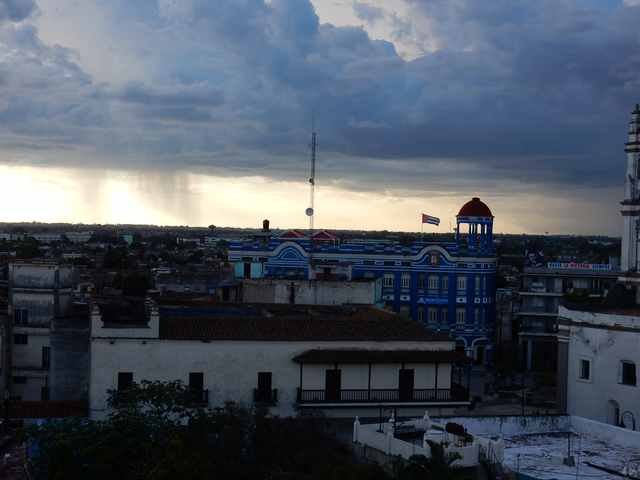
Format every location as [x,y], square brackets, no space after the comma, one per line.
[155,432]
[116,258]
[28,248]
[419,467]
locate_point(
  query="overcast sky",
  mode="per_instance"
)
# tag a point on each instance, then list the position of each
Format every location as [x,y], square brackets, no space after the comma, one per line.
[199,111]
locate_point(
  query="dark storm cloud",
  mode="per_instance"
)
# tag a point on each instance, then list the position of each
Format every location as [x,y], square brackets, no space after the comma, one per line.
[524,91]
[16,10]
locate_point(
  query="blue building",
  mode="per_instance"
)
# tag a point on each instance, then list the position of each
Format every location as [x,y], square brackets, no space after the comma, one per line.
[449,286]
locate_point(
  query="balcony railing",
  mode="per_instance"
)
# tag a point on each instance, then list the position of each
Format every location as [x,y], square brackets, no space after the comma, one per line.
[265,397]
[455,394]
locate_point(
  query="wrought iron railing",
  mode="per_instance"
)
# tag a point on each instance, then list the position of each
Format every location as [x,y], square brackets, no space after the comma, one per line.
[456,393]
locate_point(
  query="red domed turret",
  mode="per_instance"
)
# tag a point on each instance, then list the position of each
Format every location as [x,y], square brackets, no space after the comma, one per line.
[478,217]
[475,208]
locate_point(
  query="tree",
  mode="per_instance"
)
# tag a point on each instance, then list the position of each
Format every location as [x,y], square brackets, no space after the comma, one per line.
[418,467]
[154,431]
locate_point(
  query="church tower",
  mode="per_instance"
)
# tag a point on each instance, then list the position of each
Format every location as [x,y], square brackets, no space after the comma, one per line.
[631,202]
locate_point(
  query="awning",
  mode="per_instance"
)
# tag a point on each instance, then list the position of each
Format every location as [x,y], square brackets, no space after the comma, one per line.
[381,356]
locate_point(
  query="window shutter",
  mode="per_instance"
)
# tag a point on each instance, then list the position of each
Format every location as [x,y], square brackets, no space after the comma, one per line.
[619,372]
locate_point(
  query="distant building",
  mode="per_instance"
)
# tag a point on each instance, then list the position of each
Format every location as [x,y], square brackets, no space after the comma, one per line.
[78,237]
[46,237]
[38,293]
[312,292]
[506,307]
[221,284]
[334,361]
[602,349]
[448,286]
[541,292]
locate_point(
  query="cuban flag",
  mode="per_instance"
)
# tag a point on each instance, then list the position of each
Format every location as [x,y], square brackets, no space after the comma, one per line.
[429,219]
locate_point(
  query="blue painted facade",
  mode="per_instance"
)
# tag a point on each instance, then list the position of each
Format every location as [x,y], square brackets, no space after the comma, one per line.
[450,287]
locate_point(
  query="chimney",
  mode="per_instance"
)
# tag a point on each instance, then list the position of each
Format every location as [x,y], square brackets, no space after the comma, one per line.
[265,225]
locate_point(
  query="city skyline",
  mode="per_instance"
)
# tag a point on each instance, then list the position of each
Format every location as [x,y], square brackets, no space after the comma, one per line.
[186,113]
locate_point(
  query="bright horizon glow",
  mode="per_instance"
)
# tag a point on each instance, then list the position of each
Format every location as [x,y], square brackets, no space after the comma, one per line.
[74,195]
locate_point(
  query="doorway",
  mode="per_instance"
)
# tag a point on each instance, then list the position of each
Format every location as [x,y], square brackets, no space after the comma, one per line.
[332,385]
[405,384]
[613,413]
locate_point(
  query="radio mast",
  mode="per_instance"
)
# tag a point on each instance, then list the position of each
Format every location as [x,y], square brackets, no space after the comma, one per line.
[312,178]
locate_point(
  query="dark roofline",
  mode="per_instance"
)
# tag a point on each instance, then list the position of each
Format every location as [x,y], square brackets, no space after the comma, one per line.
[296,329]
[320,356]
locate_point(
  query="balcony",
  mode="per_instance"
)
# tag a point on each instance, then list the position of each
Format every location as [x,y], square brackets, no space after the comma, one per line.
[456,393]
[538,310]
[265,397]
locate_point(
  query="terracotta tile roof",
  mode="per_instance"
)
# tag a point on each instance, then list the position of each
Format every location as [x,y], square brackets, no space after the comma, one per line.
[292,328]
[381,356]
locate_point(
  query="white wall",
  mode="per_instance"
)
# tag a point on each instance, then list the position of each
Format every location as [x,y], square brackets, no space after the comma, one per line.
[32,390]
[510,425]
[30,355]
[34,275]
[605,348]
[231,367]
[310,292]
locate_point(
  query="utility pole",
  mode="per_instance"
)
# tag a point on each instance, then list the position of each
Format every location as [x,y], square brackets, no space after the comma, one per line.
[524,394]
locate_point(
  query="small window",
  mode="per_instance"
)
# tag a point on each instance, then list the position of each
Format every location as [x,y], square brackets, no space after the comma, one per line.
[406,280]
[435,258]
[21,316]
[433,317]
[44,393]
[462,284]
[460,317]
[19,380]
[433,282]
[388,280]
[125,380]
[196,381]
[476,316]
[585,370]
[445,283]
[628,373]
[444,314]
[265,380]
[46,357]
[20,339]
[421,280]
[421,314]
[478,284]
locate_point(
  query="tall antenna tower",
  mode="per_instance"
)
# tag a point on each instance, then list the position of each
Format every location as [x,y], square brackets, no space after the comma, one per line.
[312,177]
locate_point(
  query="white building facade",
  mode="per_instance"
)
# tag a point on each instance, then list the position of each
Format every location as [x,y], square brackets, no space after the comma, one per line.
[337,367]
[603,355]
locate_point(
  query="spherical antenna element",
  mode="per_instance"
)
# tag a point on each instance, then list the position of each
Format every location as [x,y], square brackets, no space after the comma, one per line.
[309,212]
